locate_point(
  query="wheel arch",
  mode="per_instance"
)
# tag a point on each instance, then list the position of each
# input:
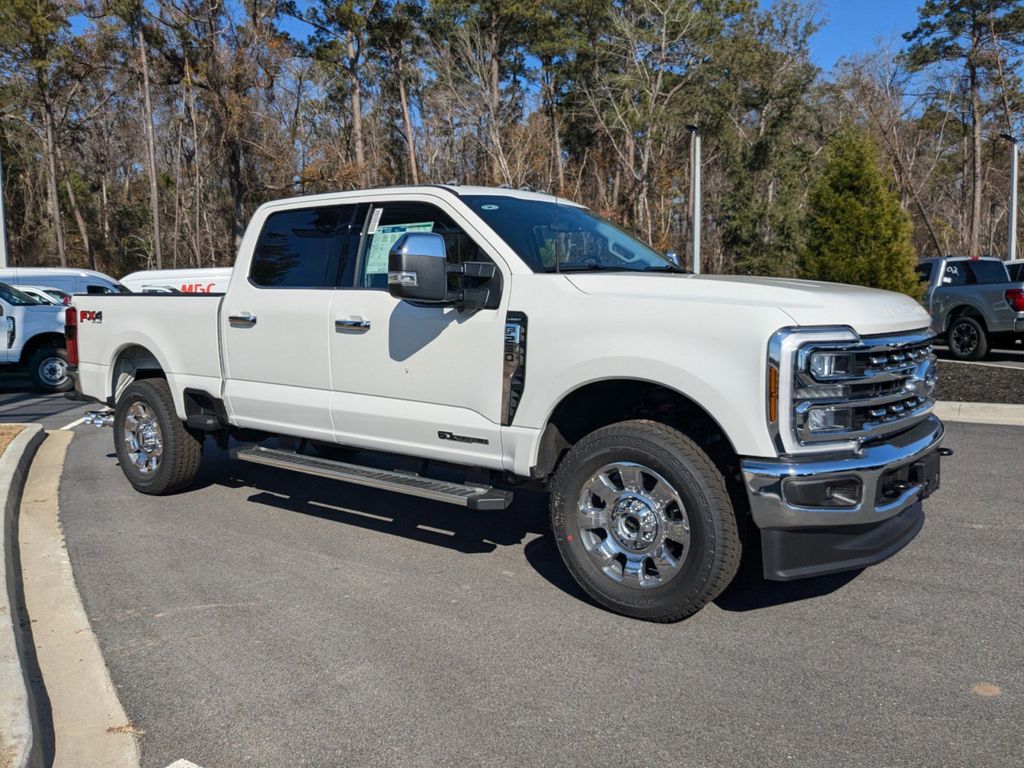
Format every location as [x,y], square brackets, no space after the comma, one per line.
[39,341]
[599,403]
[965,309]
[132,362]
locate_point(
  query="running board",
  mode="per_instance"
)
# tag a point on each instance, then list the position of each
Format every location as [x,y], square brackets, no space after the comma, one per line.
[475,497]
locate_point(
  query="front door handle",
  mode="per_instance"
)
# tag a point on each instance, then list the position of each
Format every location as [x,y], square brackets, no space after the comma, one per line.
[351,324]
[246,319]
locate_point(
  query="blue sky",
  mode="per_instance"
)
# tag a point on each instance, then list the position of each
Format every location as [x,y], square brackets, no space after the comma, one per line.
[851,26]
[854,26]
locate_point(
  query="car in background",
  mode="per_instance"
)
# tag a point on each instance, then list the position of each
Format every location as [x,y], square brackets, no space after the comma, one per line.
[32,339]
[49,295]
[973,303]
[70,281]
[207,280]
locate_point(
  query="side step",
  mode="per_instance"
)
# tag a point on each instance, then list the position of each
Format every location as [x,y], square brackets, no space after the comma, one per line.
[475,497]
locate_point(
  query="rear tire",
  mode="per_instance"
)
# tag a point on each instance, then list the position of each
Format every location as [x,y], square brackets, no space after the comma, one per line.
[967,339]
[643,521]
[48,368]
[157,453]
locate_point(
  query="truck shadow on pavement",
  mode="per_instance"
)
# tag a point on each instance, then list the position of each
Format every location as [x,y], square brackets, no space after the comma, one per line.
[471,532]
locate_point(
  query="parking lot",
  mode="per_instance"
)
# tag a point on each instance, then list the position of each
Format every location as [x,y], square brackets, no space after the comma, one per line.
[272,619]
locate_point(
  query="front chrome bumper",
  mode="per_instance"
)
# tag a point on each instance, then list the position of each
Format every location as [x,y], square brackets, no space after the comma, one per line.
[799,541]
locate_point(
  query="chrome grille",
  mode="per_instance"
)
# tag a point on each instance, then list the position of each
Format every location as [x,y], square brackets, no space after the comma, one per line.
[863,390]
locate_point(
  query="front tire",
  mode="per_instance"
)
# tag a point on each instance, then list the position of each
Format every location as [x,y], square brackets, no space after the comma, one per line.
[157,453]
[48,368]
[643,521]
[967,339]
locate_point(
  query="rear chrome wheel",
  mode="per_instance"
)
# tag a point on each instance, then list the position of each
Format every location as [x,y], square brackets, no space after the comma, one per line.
[157,453]
[143,438]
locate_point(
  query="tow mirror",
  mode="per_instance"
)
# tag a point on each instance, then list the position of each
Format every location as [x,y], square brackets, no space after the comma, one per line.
[417,269]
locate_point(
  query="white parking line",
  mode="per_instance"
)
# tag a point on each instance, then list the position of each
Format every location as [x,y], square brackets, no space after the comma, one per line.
[74,423]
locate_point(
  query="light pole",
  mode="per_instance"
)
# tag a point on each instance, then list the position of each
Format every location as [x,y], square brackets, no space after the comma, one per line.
[1014,172]
[695,194]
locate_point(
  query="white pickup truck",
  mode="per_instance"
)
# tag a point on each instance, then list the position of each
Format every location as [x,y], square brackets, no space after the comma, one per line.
[33,339]
[505,337]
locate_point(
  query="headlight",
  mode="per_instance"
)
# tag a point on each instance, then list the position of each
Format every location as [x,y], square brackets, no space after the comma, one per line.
[830,365]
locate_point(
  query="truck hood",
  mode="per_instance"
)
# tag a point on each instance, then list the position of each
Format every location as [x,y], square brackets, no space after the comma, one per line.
[809,303]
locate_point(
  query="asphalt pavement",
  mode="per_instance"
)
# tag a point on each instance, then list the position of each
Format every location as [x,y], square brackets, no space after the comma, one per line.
[271,619]
[20,402]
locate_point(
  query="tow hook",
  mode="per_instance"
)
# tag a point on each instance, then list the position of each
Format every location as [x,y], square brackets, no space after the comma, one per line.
[104,418]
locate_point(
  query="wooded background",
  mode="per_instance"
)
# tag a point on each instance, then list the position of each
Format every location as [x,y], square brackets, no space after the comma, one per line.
[143,133]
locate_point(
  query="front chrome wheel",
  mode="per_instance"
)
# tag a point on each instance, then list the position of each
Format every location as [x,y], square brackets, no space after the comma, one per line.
[633,525]
[143,438]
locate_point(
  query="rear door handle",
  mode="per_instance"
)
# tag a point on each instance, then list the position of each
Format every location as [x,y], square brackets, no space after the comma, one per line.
[247,319]
[351,324]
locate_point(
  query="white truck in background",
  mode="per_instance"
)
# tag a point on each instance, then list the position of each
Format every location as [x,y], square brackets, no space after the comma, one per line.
[33,339]
[208,280]
[511,337]
[66,279]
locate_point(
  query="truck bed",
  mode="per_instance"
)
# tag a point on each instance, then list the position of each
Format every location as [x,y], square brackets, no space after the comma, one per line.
[109,325]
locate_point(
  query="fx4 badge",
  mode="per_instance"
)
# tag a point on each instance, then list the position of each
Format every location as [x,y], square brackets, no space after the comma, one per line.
[90,316]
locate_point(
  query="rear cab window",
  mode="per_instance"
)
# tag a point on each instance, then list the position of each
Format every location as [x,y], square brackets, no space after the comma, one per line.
[974,272]
[308,247]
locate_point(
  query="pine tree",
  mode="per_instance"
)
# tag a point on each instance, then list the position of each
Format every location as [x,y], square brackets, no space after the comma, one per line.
[856,231]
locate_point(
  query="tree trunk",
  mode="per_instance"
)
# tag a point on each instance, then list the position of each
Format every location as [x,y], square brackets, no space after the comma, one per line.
[104,210]
[494,94]
[410,139]
[357,108]
[975,246]
[154,198]
[51,180]
[76,212]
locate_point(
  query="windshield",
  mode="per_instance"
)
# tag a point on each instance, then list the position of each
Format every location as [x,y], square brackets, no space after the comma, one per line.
[551,237]
[17,298]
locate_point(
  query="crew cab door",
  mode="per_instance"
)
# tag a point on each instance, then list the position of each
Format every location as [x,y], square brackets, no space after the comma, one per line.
[275,320]
[419,379]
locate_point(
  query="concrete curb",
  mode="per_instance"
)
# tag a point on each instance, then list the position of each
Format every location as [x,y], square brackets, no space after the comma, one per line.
[1005,414]
[16,734]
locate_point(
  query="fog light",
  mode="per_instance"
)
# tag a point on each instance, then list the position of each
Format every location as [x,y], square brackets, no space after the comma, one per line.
[830,494]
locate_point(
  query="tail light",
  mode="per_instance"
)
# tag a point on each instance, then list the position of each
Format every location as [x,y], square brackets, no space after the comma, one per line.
[71,334]
[1015,298]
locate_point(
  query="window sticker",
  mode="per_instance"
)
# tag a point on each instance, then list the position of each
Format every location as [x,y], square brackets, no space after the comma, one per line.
[374,221]
[385,237]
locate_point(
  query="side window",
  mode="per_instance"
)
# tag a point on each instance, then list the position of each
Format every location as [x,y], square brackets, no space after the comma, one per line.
[389,221]
[307,247]
[924,272]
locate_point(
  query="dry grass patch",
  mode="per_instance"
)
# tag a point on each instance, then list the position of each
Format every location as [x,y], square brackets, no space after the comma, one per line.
[7,433]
